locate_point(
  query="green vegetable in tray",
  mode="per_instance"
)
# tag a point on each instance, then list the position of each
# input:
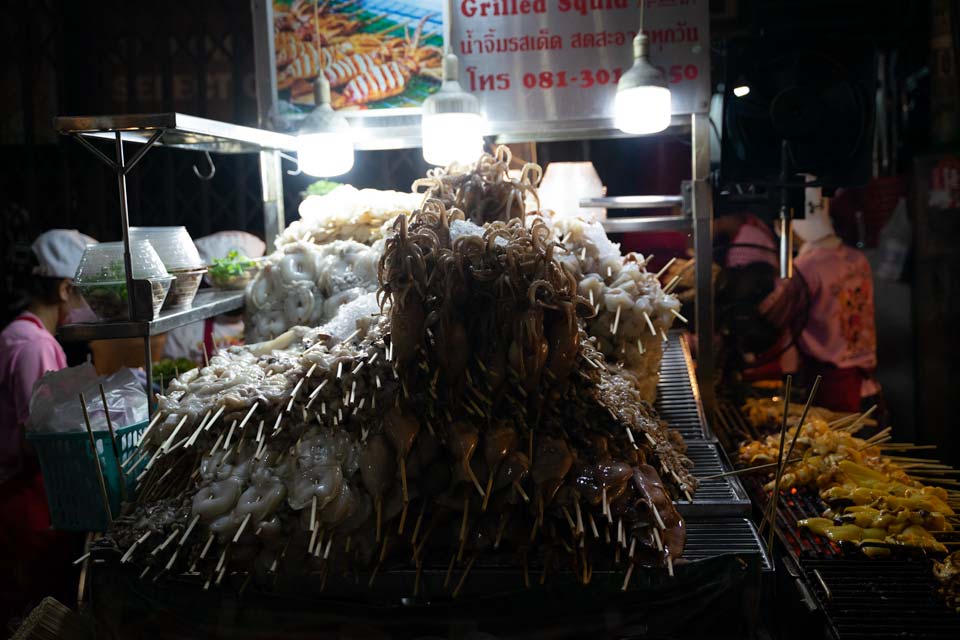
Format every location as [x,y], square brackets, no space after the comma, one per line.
[169,368]
[233,271]
[232,265]
[321,187]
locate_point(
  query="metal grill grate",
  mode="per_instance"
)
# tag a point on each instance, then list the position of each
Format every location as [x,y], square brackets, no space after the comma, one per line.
[869,599]
[707,538]
[717,497]
[678,399]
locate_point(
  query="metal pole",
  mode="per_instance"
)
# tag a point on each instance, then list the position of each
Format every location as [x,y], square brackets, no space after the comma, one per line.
[125,225]
[703,267]
[786,214]
[265,69]
[148,368]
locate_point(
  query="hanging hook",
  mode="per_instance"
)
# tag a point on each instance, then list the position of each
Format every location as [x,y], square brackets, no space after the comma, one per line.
[213,168]
[295,160]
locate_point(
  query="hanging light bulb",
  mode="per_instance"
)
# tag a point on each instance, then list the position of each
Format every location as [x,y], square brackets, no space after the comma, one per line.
[324,143]
[451,126]
[642,103]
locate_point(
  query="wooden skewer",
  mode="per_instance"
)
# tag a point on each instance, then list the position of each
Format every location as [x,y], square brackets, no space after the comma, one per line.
[463,578]
[737,472]
[856,423]
[670,285]
[907,446]
[663,270]
[679,316]
[616,322]
[775,497]
[214,418]
[833,424]
[249,413]
[96,461]
[867,445]
[653,331]
[121,477]
[146,432]
[803,417]
[243,525]
[173,434]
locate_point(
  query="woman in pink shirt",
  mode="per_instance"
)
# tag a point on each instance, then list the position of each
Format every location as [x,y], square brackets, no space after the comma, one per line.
[40,557]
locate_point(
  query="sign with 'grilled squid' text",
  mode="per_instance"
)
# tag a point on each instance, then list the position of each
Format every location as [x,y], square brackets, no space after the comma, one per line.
[553,65]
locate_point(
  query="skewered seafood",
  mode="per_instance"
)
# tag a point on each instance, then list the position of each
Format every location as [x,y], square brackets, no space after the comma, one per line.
[873,501]
[768,412]
[632,311]
[472,412]
[485,192]
[305,284]
[347,213]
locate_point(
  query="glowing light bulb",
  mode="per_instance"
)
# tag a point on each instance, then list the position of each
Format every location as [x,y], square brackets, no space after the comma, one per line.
[324,143]
[642,104]
[451,126]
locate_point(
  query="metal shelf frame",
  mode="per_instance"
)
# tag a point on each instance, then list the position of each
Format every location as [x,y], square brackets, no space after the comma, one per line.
[178,131]
[208,303]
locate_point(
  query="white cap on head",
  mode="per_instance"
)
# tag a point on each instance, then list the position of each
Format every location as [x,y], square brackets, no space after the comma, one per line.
[816,224]
[218,245]
[59,251]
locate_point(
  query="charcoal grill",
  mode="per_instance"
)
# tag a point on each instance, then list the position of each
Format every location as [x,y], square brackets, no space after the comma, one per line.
[870,599]
[858,598]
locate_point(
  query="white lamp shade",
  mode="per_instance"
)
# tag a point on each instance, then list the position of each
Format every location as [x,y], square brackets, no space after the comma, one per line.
[452,137]
[325,154]
[643,109]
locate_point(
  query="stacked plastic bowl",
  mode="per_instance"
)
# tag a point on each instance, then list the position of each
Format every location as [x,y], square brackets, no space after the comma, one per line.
[102,281]
[181,258]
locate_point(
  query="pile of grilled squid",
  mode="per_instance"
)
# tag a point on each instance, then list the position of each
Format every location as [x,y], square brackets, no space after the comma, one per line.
[460,410]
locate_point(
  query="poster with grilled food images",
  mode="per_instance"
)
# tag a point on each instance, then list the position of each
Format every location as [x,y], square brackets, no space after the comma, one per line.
[377,54]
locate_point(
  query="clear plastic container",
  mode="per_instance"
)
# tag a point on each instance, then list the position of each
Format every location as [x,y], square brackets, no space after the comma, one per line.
[173,244]
[101,281]
[184,287]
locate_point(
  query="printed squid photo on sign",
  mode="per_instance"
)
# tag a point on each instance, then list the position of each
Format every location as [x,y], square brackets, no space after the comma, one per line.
[376,54]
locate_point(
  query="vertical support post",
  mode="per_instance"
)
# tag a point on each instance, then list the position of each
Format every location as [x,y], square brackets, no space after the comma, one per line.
[703,251]
[271,176]
[124,223]
[148,369]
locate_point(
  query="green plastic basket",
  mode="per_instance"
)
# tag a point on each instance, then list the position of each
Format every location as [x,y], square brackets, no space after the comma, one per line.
[70,475]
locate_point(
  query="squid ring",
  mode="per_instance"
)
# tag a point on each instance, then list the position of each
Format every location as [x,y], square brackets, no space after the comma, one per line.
[298,306]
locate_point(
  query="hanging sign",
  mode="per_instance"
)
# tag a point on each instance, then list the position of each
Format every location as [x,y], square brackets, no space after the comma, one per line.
[554,64]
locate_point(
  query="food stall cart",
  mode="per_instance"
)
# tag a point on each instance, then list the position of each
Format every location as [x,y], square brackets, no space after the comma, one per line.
[163,567]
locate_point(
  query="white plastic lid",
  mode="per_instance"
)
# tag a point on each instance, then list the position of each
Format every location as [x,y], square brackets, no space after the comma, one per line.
[173,244]
[104,263]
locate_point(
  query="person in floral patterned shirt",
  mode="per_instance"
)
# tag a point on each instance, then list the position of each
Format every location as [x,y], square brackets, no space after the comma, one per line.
[839,340]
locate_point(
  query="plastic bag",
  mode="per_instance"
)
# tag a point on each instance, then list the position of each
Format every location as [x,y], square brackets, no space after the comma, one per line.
[55,403]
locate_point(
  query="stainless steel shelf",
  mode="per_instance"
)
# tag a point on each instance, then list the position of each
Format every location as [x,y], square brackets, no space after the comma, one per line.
[207,304]
[632,202]
[645,223]
[179,130]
